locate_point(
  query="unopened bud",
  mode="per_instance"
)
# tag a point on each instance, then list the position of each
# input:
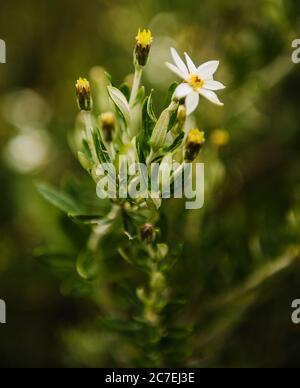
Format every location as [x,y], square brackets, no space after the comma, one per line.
[194,143]
[220,138]
[148,233]
[181,115]
[83,90]
[142,48]
[108,124]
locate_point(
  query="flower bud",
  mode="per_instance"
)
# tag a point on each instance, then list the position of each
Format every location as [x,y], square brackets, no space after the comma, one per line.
[148,233]
[83,90]
[220,138]
[142,48]
[194,143]
[181,115]
[108,124]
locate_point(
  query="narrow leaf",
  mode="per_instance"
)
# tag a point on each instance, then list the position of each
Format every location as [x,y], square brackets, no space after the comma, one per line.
[59,262]
[86,266]
[160,131]
[59,199]
[121,103]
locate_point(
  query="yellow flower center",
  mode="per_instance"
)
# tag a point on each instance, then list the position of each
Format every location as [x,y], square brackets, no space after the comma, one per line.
[196,137]
[144,38]
[83,85]
[195,81]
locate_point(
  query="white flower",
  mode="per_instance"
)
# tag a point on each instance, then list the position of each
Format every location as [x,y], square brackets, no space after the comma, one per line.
[197,81]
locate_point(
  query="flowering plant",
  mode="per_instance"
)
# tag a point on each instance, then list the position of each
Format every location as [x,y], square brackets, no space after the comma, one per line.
[118,128]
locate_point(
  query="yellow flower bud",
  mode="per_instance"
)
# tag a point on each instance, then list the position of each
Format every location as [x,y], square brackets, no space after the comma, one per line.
[108,124]
[194,143]
[142,48]
[220,138]
[83,90]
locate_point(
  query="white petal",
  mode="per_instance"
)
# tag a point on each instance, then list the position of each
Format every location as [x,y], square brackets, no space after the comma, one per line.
[183,90]
[179,62]
[211,96]
[175,70]
[213,85]
[208,69]
[190,63]
[191,102]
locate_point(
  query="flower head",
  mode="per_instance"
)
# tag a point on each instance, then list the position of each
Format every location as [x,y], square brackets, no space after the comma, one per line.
[142,48]
[194,143]
[220,138]
[108,123]
[144,38]
[197,81]
[83,90]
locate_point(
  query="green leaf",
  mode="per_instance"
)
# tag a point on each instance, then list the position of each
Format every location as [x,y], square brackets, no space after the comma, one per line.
[124,88]
[84,161]
[140,95]
[170,94]
[59,199]
[121,103]
[109,78]
[160,131]
[172,260]
[102,153]
[177,143]
[161,128]
[58,262]
[125,257]
[154,203]
[150,109]
[148,123]
[85,219]
[86,150]
[173,120]
[76,287]
[129,226]
[120,325]
[87,266]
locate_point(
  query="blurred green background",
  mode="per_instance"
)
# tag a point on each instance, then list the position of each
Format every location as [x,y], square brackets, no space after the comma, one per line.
[240,268]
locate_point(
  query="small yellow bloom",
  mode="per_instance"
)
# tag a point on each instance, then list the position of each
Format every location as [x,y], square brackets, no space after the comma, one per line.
[83,90]
[196,137]
[194,143]
[144,38]
[142,48]
[108,123]
[220,138]
[83,86]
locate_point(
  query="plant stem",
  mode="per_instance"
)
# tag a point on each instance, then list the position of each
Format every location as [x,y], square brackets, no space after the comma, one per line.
[88,130]
[111,150]
[136,85]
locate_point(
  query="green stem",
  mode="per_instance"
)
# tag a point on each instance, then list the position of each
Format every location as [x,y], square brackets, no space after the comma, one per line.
[89,135]
[136,85]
